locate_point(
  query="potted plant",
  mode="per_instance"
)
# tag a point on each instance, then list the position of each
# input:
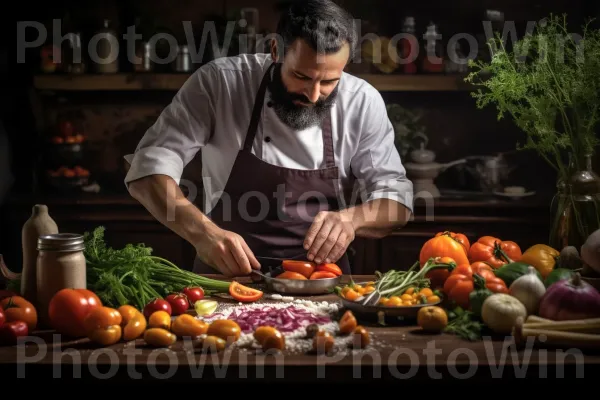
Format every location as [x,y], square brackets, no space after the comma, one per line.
[549,84]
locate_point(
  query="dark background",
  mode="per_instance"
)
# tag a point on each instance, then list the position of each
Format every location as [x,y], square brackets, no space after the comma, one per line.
[113,121]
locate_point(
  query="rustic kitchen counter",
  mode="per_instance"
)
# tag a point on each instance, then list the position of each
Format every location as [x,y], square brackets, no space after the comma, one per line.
[398,352]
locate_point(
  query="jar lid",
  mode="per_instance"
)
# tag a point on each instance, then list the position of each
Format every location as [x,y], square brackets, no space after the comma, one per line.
[61,242]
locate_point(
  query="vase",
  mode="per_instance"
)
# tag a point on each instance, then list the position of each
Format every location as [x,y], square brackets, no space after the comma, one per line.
[39,223]
[576,206]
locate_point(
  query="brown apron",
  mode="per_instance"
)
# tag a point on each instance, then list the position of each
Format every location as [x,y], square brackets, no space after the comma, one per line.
[272,207]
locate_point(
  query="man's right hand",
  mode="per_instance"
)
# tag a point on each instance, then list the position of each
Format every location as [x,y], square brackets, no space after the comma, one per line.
[227,251]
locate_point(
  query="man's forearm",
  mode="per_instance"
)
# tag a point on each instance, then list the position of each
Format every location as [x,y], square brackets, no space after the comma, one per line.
[378,218]
[163,198]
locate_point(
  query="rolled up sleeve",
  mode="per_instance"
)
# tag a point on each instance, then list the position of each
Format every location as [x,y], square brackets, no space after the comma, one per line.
[182,128]
[377,164]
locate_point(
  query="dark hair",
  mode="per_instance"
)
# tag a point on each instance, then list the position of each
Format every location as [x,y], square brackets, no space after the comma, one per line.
[323,24]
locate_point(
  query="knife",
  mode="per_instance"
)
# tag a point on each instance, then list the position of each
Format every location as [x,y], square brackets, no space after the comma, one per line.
[271,259]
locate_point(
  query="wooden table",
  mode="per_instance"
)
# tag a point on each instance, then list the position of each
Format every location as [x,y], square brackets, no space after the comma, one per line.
[400,353]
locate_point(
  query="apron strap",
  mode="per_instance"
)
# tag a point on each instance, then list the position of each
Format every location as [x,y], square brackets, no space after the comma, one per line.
[328,154]
[258,104]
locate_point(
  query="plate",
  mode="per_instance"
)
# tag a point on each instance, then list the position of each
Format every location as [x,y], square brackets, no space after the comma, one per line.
[383,313]
[514,195]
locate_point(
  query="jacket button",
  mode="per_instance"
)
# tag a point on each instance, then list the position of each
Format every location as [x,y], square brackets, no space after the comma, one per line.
[268,139]
[270,104]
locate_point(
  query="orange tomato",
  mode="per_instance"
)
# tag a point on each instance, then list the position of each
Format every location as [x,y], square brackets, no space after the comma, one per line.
[432,319]
[291,275]
[322,275]
[160,319]
[305,268]
[459,237]
[269,338]
[101,318]
[347,322]
[352,295]
[226,329]
[494,251]
[16,308]
[244,293]
[443,246]
[133,322]
[106,336]
[323,342]
[360,337]
[159,337]
[333,268]
[188,326]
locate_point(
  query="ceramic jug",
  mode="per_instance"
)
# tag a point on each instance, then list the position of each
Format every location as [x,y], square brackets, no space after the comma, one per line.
[40,223]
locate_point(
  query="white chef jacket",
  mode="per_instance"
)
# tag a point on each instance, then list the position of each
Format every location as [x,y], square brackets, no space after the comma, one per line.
[211,113]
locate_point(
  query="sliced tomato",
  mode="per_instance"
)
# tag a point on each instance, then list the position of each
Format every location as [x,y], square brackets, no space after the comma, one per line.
[333,268]
[305,268]
[244,293]
[322,275]
[292,275]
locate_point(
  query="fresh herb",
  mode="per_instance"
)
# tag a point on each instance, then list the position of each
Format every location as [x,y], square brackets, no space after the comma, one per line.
[550,85]
[464,324]
[132,275]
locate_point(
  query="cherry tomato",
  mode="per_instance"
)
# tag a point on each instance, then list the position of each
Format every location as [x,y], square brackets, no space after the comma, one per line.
[11,331]
[134,323]
[106,336]
[347,323]
[178,302]
[213,344]
[68,309]
[269,338]
[304,268]
[194,294]
[244,293]
[187,325]
[226,329]
[101,318]
[159,337]
[160,319]
[2,316]
[322,275]
[291,275]
[16,308]
[157,305]
[360,337]
[333,268]
[323,342]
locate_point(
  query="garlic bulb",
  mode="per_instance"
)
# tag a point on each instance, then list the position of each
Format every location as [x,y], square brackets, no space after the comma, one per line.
[529,290]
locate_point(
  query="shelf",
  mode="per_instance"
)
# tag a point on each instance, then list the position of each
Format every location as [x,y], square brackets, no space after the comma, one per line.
[172,82]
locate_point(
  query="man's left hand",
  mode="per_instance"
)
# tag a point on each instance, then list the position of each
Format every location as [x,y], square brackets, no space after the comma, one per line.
[329,236]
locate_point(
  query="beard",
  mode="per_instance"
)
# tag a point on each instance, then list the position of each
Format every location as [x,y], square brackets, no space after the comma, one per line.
[296,116]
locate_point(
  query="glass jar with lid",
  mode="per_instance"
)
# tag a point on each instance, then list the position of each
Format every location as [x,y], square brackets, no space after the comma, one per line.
[60,264]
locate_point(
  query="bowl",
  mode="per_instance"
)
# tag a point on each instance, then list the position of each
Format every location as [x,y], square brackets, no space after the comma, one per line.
[300,287]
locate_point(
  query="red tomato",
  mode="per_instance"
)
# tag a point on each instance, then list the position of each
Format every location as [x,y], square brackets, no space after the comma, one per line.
[304,268]
[2,316]
[244,293]
[178,302]
[11,331]
[333,268]
[16,308]
[322,275]
[292,275]
[157,305]
[69,307]
[193,294]
[458,287]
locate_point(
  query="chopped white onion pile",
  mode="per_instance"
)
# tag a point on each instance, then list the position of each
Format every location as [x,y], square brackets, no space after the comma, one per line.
[285,319]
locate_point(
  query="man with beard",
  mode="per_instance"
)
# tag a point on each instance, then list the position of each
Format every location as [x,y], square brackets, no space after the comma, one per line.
[298,157]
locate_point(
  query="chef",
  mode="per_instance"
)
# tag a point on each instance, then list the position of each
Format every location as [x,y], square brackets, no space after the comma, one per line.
[298,156]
